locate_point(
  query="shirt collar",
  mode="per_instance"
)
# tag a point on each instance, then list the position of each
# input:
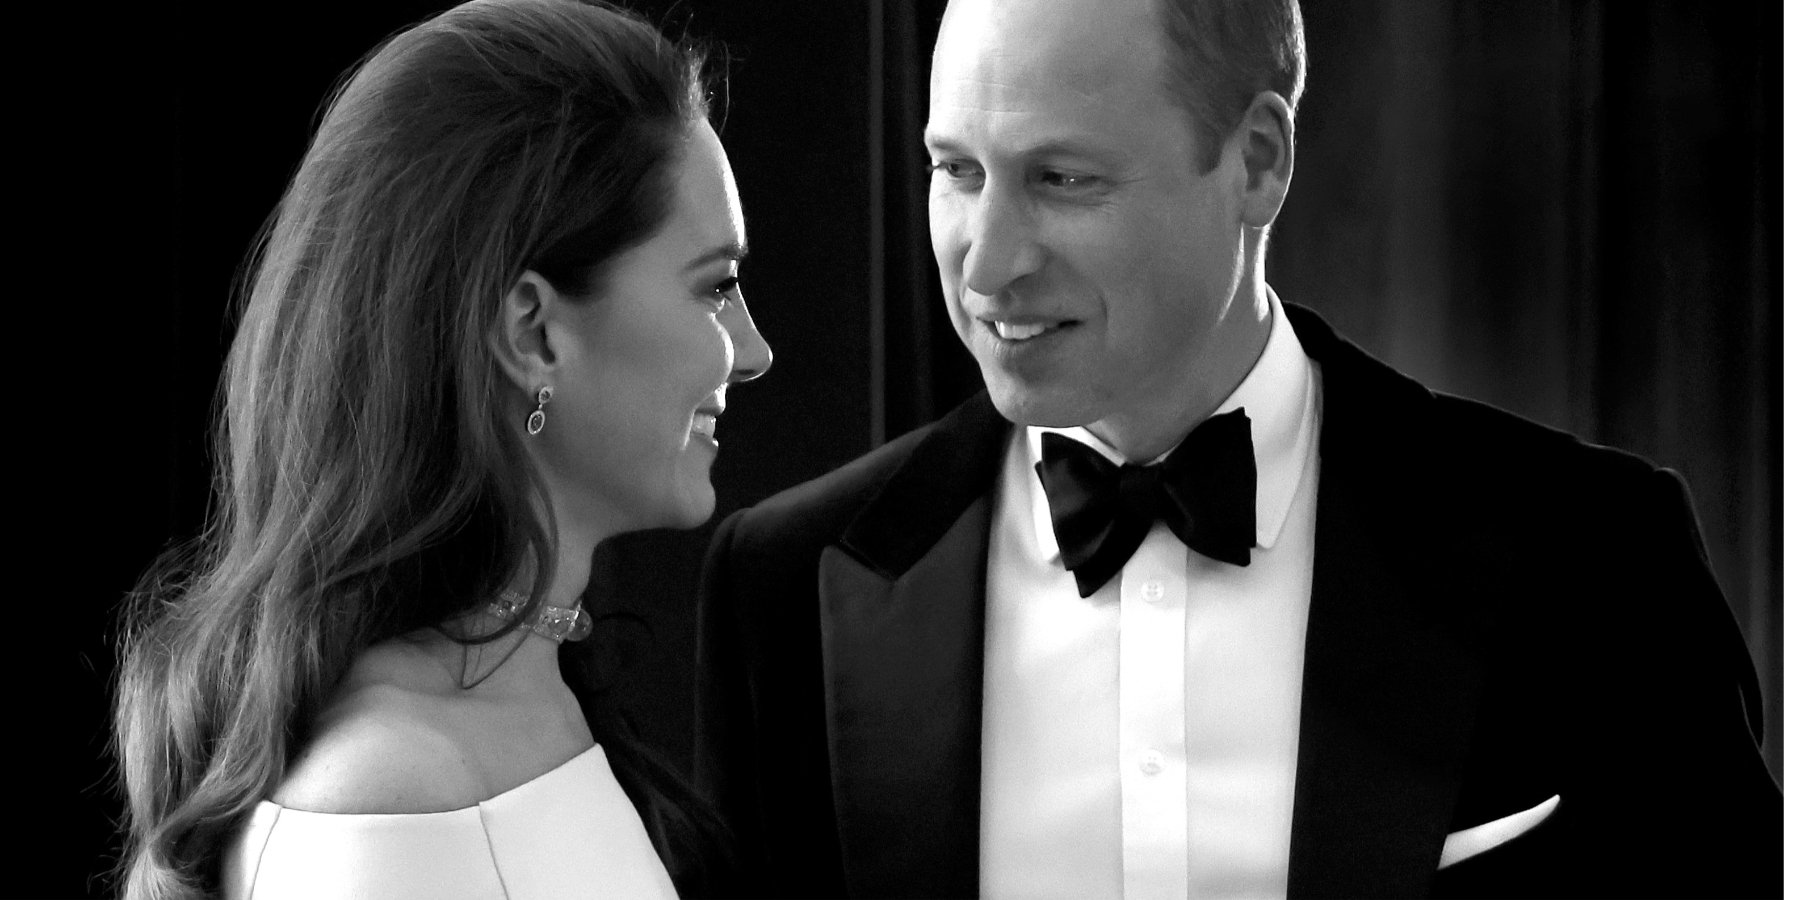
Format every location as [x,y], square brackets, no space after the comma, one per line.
[1277,395]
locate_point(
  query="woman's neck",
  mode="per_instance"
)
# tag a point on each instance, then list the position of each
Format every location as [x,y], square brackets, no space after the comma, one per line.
[519,662]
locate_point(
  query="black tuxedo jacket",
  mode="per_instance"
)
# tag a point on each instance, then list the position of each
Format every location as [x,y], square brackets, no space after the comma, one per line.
[1500,613]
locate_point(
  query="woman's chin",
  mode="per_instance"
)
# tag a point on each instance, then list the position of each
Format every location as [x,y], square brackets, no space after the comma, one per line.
[692,510]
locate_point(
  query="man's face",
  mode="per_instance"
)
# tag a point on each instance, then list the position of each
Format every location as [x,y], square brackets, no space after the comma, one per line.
[1086,261]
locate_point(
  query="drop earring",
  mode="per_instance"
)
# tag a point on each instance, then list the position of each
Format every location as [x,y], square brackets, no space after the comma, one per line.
[534,423]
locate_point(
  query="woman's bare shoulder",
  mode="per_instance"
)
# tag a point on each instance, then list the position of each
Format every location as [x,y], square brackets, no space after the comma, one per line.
[385,744]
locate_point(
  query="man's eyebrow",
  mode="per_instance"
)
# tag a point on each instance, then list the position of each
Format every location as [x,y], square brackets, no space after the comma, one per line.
[1074,148]
[736,251]
[938,143]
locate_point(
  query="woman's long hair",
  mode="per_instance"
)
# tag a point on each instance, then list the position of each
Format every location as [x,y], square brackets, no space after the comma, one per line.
[371,478]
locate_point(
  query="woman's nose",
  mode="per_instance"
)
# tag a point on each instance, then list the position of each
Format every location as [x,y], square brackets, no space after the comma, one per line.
[751,355]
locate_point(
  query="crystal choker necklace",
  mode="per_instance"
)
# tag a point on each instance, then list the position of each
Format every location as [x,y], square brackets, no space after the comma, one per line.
[554,622]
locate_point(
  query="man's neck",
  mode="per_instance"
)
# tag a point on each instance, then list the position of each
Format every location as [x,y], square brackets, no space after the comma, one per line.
[1151,428]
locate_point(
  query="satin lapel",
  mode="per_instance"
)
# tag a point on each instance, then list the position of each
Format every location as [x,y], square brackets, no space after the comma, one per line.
[902,600]
[1393,669]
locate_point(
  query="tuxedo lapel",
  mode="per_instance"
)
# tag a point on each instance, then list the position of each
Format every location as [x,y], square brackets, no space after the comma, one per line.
[1392,670]
[1388,693]
[902,599]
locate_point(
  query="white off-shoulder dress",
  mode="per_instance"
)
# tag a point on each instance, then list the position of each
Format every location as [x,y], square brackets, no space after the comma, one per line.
[569,832]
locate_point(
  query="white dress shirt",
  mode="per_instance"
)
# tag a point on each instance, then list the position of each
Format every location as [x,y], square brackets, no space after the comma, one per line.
[1141,742]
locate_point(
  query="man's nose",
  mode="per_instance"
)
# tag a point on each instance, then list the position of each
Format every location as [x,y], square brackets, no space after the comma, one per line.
[751,356]
[1003,245]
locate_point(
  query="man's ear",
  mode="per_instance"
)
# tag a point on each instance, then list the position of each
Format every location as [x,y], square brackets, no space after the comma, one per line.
[520,340]
[1266,140]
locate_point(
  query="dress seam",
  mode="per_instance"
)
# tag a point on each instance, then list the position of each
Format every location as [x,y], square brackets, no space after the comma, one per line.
[262,849]
[487,837]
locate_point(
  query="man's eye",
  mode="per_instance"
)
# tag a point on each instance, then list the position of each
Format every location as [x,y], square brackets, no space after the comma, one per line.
[727,287]
[1067,181]
[953,169]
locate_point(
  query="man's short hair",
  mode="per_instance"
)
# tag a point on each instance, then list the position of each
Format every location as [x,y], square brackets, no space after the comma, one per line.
[1222,53]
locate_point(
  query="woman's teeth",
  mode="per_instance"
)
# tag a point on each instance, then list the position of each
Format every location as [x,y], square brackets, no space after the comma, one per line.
[704,423]
[1011,332]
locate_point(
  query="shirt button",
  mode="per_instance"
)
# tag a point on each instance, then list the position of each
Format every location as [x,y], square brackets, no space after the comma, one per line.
[1150,763]
[1151,591]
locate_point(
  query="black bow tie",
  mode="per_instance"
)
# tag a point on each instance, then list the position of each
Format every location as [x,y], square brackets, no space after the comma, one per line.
[1205,491]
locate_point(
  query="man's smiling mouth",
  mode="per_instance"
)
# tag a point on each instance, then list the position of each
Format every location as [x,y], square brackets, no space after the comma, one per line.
[1019,331]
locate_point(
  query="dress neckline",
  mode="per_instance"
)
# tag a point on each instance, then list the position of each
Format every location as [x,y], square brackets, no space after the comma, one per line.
[562,770]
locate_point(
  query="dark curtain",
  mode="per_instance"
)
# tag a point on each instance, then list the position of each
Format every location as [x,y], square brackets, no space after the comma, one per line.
[1567,210]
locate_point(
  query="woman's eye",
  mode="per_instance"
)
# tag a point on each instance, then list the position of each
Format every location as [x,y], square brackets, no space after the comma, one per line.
[723,292]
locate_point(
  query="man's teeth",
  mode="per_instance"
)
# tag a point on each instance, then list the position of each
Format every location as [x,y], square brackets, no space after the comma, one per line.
[704,423]
[1013,332]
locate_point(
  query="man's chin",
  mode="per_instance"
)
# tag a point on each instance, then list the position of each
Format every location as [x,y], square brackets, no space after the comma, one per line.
[1047,409]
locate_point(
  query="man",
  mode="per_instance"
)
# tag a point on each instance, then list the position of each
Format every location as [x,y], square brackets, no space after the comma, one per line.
[1198,599]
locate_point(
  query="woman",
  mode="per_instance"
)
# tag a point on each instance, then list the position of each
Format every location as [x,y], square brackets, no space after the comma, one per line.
[492,323]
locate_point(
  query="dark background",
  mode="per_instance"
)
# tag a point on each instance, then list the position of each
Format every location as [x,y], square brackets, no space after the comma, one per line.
[1567,208]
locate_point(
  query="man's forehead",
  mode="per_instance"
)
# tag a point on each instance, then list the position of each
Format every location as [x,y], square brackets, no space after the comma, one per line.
[1080,15]
[997,86]
[1069,44]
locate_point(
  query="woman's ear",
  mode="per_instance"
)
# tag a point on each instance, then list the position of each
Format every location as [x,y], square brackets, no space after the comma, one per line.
[520,340]
[1267,135]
